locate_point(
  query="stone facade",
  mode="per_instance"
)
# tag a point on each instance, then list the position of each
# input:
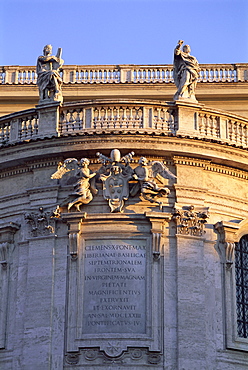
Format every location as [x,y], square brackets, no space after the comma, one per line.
[139,272]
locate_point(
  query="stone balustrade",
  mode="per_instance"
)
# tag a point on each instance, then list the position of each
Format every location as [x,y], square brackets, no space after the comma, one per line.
[124,117]
[26,75]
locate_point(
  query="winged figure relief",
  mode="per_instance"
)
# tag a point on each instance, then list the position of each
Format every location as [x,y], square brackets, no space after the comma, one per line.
[81,175]
[146,173]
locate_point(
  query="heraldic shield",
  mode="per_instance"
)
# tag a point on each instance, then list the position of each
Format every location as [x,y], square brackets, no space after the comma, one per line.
[116,188]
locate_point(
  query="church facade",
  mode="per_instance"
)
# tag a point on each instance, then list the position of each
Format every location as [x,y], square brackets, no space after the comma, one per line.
[123,218]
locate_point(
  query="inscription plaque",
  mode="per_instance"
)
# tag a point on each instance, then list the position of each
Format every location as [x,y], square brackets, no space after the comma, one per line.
[114,297]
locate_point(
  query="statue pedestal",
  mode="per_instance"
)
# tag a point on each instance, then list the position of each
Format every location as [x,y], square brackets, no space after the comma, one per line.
[48,115]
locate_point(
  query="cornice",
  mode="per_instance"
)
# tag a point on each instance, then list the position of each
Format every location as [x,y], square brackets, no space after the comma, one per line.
[208,166]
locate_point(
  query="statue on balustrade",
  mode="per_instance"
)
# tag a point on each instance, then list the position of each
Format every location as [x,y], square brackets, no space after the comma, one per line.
[49,80]
[185,72]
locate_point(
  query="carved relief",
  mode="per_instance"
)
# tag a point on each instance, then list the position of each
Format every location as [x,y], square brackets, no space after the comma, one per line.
[81,176]
[94,356]
[189,221]
[42,223]
[115,174]
[115,177]
[148,174]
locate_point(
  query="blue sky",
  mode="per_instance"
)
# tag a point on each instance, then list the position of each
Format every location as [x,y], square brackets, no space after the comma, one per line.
[123,31]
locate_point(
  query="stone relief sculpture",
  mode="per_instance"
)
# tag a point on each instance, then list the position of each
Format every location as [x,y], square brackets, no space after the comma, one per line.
[115,175]
[83,188]
[42,222]
[189,221]
[146,173]
[185,72]
[49,80]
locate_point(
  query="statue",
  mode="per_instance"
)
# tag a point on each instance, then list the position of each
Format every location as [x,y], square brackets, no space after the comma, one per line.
[49,80]
[83,189]
[146,173]
[185,72]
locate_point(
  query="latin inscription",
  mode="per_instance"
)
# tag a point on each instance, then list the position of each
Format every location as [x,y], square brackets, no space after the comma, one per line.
[114,286]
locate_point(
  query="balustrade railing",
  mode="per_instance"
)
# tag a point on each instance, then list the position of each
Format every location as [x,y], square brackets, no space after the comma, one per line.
[118,117]
[21,75]
[125,117]
[18,127]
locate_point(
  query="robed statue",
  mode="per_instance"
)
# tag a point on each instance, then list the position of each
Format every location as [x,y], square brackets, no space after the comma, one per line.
[185,72]
[49,80]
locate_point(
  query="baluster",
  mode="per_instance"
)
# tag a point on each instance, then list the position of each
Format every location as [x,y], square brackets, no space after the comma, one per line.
[25,128]
[95,119]
[140,115]
[161,75]
[112,121]
[34,77]
[230,129]
[2,134]
[240,133]
[102,120]
[63,122]
[102,76]
[224,76]
[130,121]
[108,118]
[110,73]
[170,121]
[155,118]
[83,77]
[159,118]
[26,77]
[229,75]
[99,118]
[124,118]
[117,117]
[135,117]
[205,75]
[201,123]
[36,126]
[78,125]
[71,120]
[80,76]
[30,127]
[245,135]
[127,118]
[73,76]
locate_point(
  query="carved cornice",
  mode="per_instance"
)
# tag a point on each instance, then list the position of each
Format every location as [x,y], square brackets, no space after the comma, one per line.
[208,166]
